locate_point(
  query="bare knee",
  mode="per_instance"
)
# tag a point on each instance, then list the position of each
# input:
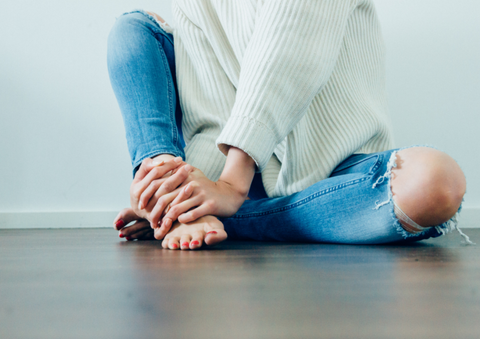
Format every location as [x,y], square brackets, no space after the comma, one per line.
[428,185]
[156,16]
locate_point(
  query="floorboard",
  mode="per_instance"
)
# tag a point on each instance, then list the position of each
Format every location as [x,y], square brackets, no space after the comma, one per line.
[87,283]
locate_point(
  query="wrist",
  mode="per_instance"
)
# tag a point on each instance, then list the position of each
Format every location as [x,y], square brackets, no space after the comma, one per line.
[238,171]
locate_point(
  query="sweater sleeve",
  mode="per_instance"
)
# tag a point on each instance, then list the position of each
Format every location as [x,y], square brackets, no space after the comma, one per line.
[289,59]
[206,94]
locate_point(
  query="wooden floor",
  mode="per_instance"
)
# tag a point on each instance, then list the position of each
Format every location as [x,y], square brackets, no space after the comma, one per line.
[87,283]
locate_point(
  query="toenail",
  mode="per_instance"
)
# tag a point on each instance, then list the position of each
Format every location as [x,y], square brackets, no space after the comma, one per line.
[129,238]
[174,245]
[121,235]
[194,242]
[185,244]
[119,224]
[212,232]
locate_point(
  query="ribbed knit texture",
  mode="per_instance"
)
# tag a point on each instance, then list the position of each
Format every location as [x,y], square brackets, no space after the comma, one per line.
[299,85]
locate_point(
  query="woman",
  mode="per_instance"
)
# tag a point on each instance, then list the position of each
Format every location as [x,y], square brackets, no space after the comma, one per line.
[282,101]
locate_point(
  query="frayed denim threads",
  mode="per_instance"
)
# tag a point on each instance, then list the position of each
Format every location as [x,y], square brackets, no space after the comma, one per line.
[443,228]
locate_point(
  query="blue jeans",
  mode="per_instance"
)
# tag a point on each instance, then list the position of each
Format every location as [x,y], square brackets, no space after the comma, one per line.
[352,206]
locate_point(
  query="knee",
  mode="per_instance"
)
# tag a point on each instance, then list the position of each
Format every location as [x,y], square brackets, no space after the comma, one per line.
[157,17]
[133,22]
[428,185]
[127,37]
[126,25]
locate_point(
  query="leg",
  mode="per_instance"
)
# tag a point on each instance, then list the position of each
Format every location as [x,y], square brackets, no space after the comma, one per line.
[141,65]
[355,204]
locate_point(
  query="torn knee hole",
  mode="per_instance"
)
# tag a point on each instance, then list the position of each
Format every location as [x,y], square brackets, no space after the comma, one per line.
[408,224]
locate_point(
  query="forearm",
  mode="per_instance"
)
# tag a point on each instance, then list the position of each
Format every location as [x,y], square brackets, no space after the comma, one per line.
[291,54]
[238,171]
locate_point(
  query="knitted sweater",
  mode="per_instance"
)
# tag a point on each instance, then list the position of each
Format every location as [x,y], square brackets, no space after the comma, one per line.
[299,85]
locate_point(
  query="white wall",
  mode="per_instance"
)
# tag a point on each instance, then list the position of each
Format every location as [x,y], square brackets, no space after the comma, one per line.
[62,145]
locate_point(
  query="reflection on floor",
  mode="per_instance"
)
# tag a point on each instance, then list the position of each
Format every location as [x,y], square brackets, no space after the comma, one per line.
[87,283]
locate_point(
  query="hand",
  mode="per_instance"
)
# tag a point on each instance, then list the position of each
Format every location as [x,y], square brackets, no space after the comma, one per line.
[204,197]
[154,185]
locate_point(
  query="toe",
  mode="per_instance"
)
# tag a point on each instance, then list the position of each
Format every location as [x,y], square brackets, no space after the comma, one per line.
[197,240]
[124,217]
[174,243]
[145,234]
[185,241]
[215,236]
[165,242]
[215,232]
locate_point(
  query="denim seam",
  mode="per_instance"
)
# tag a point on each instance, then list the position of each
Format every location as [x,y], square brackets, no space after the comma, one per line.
[304,200]
[317,194]
[165,63]
[377,165]
[170,99]
[336,169]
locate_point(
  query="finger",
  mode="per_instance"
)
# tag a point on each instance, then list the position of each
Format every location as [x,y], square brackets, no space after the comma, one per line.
[185,241]
[197,240]
[158,235]
[164,186]
[184,194]
[136,227]
[149,192]
[173,243]
[160,206]
[148,164]
[194,214]
[124,217]
[183,207]
[161,169]
[155,173]
[142,170]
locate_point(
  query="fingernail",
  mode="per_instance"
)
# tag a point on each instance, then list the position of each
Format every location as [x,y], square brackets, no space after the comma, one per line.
[188,168]
[158,163]
[168,222]
[178,160]
[195,242]
[185,244]
[129,238]
[187,189]
[212,232]
[140,205]
[121,235]
[119,224]
[174,245]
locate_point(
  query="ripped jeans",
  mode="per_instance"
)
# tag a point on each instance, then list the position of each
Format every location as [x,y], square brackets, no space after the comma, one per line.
[353,206]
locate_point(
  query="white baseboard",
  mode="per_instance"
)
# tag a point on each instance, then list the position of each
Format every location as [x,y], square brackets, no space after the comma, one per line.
[57,220]
[468,219]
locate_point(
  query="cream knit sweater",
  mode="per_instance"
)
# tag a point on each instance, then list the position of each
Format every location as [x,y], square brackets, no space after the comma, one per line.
[299,85]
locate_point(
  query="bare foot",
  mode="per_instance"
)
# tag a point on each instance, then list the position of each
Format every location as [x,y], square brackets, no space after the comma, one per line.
[139,230]
[207,229]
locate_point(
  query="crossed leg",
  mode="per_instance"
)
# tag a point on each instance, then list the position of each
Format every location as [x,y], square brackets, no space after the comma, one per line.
[427,184]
